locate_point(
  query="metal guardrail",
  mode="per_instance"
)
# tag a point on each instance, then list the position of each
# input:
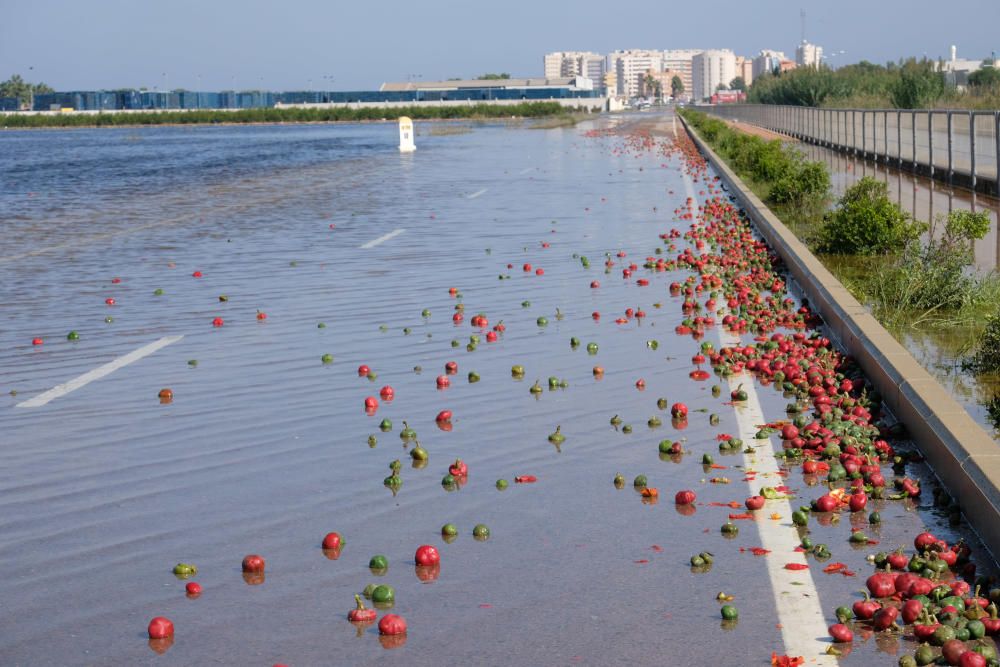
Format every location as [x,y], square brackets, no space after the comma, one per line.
[958,147]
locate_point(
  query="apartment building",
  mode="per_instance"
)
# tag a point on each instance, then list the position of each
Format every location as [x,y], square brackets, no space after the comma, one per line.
[709,69]
[808,55]
[679,60]
[767,61]
[630,67]
[575,63]
[744,68]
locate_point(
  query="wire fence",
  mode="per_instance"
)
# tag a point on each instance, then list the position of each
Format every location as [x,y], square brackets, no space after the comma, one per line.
[956,146]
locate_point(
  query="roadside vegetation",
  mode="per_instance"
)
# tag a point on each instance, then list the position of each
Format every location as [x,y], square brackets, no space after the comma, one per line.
[907,84]
[283,115]
[915,276]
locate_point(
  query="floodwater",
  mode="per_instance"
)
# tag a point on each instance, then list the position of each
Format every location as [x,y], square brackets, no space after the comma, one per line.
[264,448]
[939,349]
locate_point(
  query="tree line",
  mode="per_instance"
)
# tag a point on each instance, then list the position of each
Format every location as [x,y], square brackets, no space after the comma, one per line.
[907,84]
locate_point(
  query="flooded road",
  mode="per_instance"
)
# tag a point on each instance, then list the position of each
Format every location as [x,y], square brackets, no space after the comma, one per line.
[265,447]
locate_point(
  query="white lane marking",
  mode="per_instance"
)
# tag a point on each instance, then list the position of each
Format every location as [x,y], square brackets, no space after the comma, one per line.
[525,171]
[477,193]
[382,239]
[795,594]
[97,373]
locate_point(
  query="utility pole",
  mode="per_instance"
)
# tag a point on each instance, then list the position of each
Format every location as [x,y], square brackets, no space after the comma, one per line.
[802,16]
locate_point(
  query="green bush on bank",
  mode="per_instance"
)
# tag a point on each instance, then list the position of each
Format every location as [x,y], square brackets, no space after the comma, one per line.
[281,115]
[794,183]
[867,222]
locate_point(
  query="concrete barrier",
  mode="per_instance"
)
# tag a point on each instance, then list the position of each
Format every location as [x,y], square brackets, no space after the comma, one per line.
[963,456]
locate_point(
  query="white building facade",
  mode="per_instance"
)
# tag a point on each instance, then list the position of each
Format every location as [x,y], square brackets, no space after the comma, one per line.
[808,55]
[630,66]
[709,70]
[680,60]
[575,63]
[767,61]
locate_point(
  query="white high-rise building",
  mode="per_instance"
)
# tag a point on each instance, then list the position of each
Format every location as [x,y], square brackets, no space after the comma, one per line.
[709,69]
[767,61]
[679,60]
[808,55]
[631,65]
[575,63]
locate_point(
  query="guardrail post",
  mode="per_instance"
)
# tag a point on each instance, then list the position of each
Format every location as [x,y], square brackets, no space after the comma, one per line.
[885,136]
[996,140]
[864,134]
[930,141]
[854,130]
[972,148]
[899,138]
[951,168]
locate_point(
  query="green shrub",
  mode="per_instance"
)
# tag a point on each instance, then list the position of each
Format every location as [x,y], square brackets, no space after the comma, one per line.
[931,279]
[867,222]
[806,183]
[986,358]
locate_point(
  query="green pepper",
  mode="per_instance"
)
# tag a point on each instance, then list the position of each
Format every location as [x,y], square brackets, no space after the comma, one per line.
[369,590]
[729,529]
[639,482]
[185,569]
[665,446]
[501,484]
[449,529]
[385,425]
[800,518]
[383,594]
[407,433]
[378,562]
[619,480]
[729,613]
[843,614]
[976,628]
[481,531]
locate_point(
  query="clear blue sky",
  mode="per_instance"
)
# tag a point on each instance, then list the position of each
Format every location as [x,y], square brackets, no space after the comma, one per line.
[292,44]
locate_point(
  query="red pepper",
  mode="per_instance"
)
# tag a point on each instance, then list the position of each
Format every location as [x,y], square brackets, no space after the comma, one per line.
[959,587]
[392,624]
[904,581]
[923,541]
[912,610]
[361,614]
[992,623]
[865,609]
[976,600]
[898,560]
[841,633]
[923,631]
[881,584]
[885,618]
[948,556]
[458,468]
[919,586]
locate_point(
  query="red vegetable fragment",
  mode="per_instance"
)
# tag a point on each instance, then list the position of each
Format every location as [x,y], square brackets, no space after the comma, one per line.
[525,479]
[796,566]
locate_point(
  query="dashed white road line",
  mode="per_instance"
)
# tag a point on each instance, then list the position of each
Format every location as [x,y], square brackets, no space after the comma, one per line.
[97,373]
[477,193]
[525,171]
[795,594]
[382,239]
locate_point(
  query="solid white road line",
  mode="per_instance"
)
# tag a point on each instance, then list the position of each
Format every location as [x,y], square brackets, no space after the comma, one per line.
[97,373]
[382,239]
[478,193]
[795,594]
